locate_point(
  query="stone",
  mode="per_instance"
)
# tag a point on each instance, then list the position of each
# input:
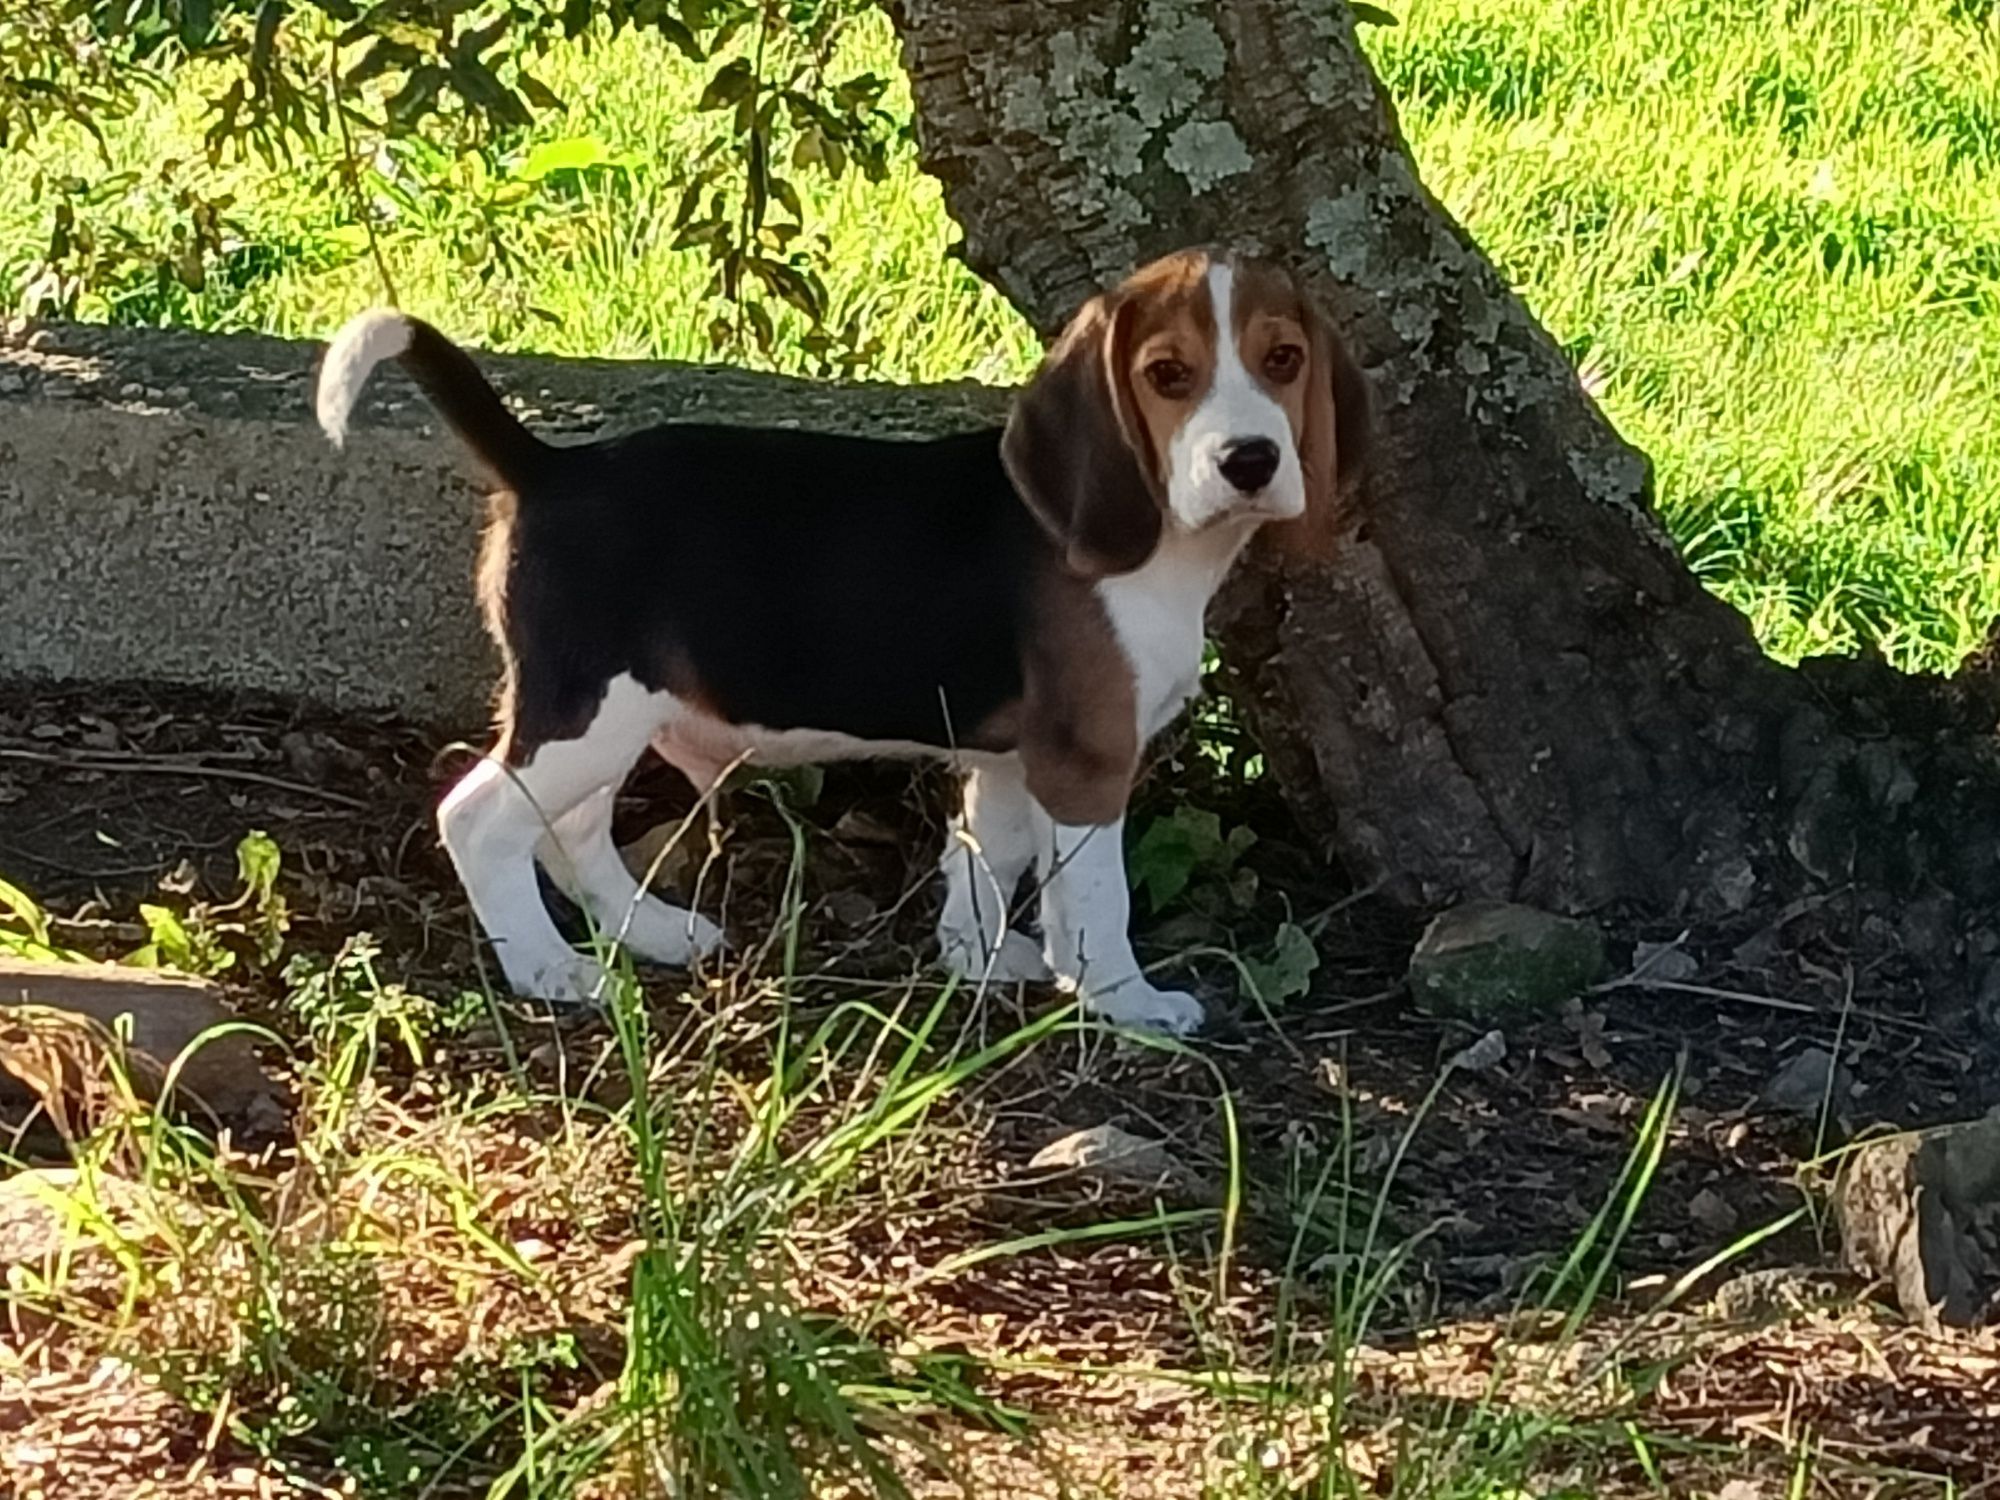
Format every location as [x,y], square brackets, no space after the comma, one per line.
[1491,961]
[1663,963]
[59,1023]
[1481,1056]
[1808,1082]
[1109,1154]
[1912,1209]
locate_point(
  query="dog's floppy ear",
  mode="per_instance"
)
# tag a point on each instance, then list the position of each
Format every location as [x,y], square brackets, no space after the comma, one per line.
[1077,450]
[1339,425]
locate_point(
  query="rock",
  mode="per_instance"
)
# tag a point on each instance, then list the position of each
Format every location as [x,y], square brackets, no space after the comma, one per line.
[1488,961]
[1713,1213]
[1481,1056]
[1909,1207]
[59,1024]
[1666,963]
[1805,1085]
[1109,1154]
[850,908]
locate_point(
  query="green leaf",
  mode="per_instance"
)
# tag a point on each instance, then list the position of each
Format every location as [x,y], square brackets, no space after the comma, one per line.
[170,939]
[1164,860]
[197,23]
[20,907]
[1370,15]
[734,82]
[539,94]
[414,100]
[383,54]
[690,202]
[1287,973]
[257,861]
[682,39]
[788,198]
[479,85]
[576,153]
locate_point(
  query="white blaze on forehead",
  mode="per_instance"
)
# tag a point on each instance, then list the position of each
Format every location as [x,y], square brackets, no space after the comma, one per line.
[1234,409]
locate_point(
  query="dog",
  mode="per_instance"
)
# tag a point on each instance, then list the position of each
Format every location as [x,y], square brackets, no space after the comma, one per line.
[1026,602]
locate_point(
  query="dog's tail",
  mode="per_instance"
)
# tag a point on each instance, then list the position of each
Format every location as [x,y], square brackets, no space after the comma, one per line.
[447,375]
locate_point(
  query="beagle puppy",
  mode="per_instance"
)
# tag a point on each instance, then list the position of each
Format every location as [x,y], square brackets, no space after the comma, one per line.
[1026,602]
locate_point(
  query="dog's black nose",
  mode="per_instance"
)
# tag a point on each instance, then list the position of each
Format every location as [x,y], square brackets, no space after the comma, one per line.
[1249,464]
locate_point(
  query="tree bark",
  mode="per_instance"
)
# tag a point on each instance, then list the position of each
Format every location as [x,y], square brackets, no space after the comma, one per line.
[1507,685]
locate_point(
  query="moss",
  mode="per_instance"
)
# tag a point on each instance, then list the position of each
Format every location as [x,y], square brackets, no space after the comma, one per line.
[1116,119]
[1178,53]
[1489,962]
[1206,152]
[1339,229]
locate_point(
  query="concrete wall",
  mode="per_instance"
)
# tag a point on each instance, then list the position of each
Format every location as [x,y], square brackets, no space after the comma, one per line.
[170,513]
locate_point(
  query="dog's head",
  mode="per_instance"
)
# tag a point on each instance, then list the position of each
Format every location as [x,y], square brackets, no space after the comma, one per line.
[1205,389]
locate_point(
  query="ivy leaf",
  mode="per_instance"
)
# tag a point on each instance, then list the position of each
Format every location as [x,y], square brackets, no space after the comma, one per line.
[1171,849]
[1287,973]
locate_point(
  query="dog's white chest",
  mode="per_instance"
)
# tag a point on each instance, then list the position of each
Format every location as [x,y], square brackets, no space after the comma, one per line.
[1157,613]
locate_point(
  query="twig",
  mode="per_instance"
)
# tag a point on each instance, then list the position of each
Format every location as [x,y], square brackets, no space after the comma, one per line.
[119,765]
[1706,991]
[353,175]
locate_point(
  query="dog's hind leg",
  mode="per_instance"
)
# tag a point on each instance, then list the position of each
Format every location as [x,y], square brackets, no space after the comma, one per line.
[492,821]
[582,859]
[987,850]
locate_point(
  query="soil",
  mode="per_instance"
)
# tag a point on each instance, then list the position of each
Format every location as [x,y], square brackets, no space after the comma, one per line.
[109,797]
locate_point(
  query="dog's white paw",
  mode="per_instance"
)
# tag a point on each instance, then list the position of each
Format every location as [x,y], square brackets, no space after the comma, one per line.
[1137,1004]
[1019,960]
[664,934]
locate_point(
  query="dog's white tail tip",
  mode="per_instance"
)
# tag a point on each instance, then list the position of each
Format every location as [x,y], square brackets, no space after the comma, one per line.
[364,342]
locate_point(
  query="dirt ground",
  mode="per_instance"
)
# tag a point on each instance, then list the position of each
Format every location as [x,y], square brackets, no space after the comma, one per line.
[106,794]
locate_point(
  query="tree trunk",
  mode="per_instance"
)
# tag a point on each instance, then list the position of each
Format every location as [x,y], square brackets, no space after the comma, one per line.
[1508,684]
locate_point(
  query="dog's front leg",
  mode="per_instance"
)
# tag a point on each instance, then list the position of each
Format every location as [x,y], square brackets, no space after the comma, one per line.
[1086,919]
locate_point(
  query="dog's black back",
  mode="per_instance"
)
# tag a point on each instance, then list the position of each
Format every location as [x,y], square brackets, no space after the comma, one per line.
[867,587]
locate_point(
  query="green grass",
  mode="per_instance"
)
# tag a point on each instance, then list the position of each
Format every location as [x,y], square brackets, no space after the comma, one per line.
[1769,232]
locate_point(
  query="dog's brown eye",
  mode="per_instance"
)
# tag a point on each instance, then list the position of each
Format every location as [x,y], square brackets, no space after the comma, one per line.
[1170,378]
[1284,362]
